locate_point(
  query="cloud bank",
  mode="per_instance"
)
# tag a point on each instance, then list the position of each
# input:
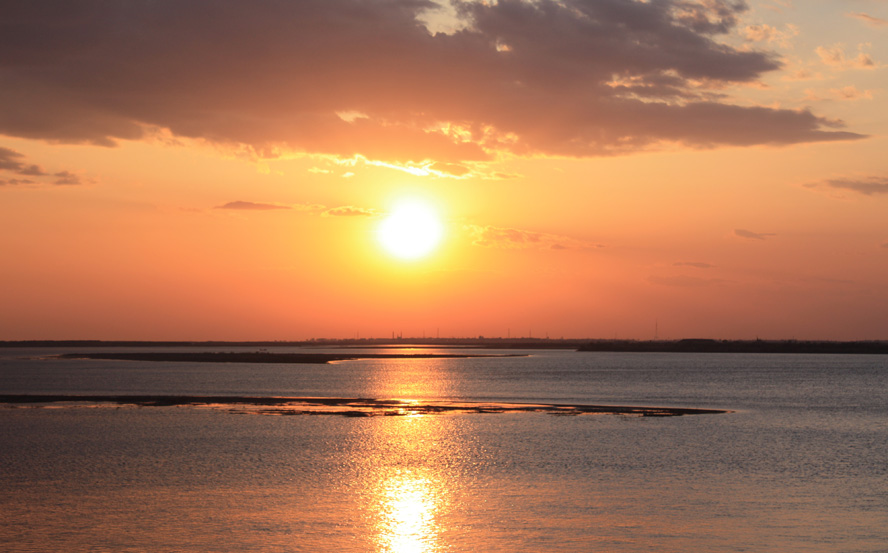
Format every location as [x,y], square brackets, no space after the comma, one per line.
[544,77]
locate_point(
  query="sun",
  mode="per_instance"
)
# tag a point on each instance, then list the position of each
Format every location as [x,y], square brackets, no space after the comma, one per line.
[411,231]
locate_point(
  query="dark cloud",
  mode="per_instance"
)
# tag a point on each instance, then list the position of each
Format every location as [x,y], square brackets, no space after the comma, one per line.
[869,186]
[567,77]
[748,234]
[251,206]
[349,211]
[10,160]
[695,264]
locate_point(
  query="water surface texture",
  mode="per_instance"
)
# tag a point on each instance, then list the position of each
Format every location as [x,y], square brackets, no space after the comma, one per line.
[798,465]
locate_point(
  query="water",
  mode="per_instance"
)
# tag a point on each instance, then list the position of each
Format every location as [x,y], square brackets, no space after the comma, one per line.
[799,465]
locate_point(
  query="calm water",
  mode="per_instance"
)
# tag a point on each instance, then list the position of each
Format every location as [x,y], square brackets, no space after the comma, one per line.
[800,465]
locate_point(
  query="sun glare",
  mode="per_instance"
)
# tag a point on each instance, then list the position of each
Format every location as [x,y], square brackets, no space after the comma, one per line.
[411,231]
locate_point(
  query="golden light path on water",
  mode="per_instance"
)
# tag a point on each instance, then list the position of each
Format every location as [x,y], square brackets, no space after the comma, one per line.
[412,489]
[409,504]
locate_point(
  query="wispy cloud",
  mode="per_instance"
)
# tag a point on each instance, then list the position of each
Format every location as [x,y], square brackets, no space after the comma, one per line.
[14,162]
[868,186]
[316,209]
[750,235]
[10,160]
[845,94]
[512,238]
[869,19]
[771,35]
[349,211]
[523,77]
[835,57]
[66,178]
[252,206]
[15,182]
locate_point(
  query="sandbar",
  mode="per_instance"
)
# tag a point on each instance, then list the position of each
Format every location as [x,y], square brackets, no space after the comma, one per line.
[353,407]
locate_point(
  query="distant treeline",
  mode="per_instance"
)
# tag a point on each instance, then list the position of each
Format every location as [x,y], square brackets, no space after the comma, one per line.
[699,345]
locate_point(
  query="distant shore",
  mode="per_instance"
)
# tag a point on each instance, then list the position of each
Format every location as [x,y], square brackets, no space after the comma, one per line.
[259,356]
[737,346]
[692,345]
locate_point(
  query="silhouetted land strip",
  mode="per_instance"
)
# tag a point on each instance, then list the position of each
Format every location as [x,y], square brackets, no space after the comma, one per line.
[440,343]
[351,407]
[737,346]
[260,356]
[585,344]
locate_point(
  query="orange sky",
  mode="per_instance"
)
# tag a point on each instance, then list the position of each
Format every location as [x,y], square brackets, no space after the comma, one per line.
[218,170]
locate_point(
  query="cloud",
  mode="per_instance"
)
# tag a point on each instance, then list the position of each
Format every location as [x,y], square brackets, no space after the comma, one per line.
[450,169]
[32,171]
[14,162]
[868,19]
[868,186]
[66,178]
[835,57]
[748,234]
[511,238]
[349,211]
[771,35]
[366,77]
[885,244]
[845,94]
[10,160]
[251,206]
[695,264]
[15,182]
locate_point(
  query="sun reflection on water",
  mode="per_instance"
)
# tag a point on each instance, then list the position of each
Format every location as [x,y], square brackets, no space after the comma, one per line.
[407,521]
[410,486]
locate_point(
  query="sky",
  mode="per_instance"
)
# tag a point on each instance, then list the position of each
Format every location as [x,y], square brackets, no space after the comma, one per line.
[220,170]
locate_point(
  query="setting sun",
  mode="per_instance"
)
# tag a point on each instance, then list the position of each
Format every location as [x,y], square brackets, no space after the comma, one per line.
[412,230]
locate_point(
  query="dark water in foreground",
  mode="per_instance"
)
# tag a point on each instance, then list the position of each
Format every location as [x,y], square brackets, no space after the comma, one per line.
[801,465]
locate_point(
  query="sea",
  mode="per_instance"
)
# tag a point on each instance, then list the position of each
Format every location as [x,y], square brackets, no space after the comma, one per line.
[797,463]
